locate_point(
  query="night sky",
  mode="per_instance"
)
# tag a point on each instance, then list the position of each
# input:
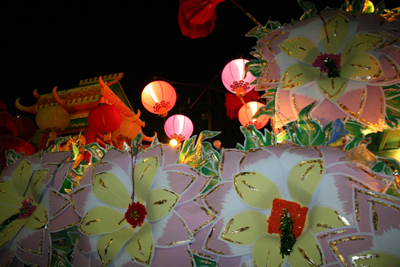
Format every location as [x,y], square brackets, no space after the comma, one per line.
[60,43]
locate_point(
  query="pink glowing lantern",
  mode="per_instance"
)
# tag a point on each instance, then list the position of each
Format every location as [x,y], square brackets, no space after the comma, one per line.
[235,79]
[159,97]
[247,112]
[178,127]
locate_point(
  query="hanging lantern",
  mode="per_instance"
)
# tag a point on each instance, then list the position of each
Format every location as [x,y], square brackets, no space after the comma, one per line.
[235,79]
[178,128]
[159,97]
[52,119]
[105,119]
[247,112]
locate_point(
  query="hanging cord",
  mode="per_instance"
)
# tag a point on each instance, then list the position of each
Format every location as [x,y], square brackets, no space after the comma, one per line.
[247,14]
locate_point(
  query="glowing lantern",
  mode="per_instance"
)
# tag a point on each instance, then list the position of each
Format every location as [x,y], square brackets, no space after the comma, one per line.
[233,77]
[52,119]
[178,128]
[159,97]
[105,119]
[247,112]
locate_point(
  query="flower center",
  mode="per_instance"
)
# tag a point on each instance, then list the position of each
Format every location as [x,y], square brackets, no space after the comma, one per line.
[287,219]
[328,63]
[27,208]
[135,214]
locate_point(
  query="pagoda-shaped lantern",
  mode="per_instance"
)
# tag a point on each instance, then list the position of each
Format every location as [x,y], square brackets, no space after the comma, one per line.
[159,97]
[247,112]
[178,128]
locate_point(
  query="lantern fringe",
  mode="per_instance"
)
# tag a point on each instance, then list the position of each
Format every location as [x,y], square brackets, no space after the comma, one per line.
[194,31]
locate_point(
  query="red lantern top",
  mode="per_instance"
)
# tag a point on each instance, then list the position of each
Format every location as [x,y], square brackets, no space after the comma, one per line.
[159,97]
[247,112]
[178,127]
[104,118]
[233,77]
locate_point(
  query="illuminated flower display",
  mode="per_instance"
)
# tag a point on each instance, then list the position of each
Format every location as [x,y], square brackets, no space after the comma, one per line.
[340,60]
[155,227]
[311,184]
[32,208]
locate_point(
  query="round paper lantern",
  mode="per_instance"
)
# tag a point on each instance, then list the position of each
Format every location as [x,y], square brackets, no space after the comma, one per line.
[247,112]
[233,77]
[105,119]
[52,119]
[178,127]
[159,97]
[27,126]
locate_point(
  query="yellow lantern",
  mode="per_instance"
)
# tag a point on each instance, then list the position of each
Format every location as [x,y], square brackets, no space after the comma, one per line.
[52,119]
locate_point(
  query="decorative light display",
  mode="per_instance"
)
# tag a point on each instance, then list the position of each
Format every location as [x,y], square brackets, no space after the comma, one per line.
[159,97]
[105,119]
[235,79]
[52,119]
[178,128]
[247,112]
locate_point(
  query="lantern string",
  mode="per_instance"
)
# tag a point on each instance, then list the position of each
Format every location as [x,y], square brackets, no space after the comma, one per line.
[247,14]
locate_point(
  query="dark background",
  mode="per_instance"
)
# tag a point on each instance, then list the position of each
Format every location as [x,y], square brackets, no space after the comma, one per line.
[60,43]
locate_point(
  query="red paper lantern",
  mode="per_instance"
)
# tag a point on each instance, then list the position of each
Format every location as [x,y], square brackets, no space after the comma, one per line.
[247,112]
[159,97]
[178,127]
[235,78]
[104,119]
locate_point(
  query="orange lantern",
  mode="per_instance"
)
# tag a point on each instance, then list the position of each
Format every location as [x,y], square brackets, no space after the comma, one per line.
[52,119]
[105,119]
[159,97]
[247,112]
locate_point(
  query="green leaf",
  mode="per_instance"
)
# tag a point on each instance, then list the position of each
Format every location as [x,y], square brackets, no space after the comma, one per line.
[378,167]
[256,67]
[357,6]
[258,32]
[255,139]
[327,130]
[204,262]
[273,25]
[96,151]
[240,147]
[379,8]
[136,143]
[309,9]
[354,128]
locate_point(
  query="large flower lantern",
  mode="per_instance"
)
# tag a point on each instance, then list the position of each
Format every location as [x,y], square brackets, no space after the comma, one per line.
[247,112]
[159,97]
[235,78]
[340,60]
[52,119]
[105,119]
[178,128]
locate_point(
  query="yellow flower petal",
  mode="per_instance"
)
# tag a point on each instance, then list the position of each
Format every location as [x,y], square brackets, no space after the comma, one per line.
[110,190]
[304,178]
[335,30]
[101,220]
[320,219]
[145,172]
[109,245]
[244,228]
[362,67]
[332,88]
[362,42]
[297,75]
[38,178]
[255,189]
[9,196]
[266,251]
[141,247]
[300,48]
[159,203]
[10,231]
[6,212]
[306,251]
[39,218]
[21,176]
[374,258]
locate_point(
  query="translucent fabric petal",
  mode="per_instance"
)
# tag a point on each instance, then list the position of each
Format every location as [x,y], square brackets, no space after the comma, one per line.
[100,220]
[141,247]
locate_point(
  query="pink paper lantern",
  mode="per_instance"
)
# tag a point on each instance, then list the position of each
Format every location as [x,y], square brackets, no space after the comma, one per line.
[159,97]
[247,112]
[178,127]
[233,77]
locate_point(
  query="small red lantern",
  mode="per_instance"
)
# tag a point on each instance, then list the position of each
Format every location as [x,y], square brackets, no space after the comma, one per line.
[105,119]
[178,127]
[235,78]
[247,112]
[159,97]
